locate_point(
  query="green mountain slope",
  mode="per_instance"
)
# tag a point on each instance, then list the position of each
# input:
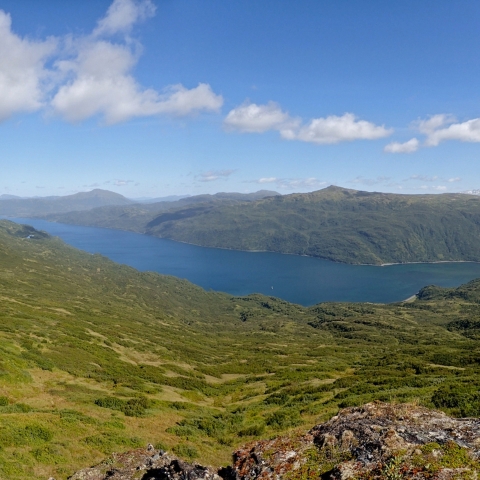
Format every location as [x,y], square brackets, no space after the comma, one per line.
[136,217]
[338,224]
[97,357]
[79,201]
[334,223]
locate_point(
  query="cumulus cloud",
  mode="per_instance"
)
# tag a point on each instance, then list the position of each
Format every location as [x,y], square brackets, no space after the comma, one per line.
[433,123]
[122,15]
[455,179]
[254,118]
[102,84]
[92,74]
[335,129]
[468,131]
[213,175]
[100,81]
[407,147]
[442,127]
[23,75]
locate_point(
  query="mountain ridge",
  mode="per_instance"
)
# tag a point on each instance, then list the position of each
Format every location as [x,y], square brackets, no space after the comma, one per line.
[335,223]
[77,201]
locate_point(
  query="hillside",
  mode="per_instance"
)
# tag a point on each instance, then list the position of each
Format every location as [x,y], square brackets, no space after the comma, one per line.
[375,441]
[97,357]
[337,224]
[136,217]
[30,207]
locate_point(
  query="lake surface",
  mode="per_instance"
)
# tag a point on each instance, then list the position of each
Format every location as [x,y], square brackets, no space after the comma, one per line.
[303,280]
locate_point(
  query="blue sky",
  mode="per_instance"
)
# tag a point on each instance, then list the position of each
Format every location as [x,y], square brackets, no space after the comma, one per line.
[162,97]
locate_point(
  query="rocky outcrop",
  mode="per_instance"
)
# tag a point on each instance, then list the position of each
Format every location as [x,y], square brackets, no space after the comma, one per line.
[146,464]
[375,441]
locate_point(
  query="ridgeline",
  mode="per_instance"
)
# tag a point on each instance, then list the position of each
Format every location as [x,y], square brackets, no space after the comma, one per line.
[335,223]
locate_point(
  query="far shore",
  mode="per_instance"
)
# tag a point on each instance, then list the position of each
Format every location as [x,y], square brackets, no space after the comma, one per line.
[249,251]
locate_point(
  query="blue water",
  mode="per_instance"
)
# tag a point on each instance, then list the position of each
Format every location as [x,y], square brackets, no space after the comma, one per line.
[302,280]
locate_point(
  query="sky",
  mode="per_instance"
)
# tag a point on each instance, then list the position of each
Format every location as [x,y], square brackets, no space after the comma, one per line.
[150,98]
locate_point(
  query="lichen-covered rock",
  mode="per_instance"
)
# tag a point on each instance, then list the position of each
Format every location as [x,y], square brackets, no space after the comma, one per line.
[375,441]
[146,464]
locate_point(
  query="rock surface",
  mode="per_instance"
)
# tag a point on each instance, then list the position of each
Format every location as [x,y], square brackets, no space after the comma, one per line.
[375,441]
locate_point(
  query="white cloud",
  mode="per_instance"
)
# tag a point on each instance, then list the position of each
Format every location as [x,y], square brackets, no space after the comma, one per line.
[309,183]
[213,175]
[370,181]
[442,127]
[92,75]
[121,183]
[422,178]
[433,122]
[335,129]
[122,15]
[23,74]
[468,131]
[101,83]
[267,180]
[455,179]
[253,118]
[407,147]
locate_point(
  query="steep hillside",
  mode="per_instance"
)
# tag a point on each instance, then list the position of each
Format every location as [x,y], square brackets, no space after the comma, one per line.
[338,224]
[79,201]
[334,223]
[97,357]
[136,217]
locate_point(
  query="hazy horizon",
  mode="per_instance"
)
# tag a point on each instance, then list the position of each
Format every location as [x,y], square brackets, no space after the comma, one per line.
[151,98]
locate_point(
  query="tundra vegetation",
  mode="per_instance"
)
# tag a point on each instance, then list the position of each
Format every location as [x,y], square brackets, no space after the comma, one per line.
[97,357]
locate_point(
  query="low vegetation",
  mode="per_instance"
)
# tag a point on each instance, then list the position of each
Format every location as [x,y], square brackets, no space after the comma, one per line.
[97,357]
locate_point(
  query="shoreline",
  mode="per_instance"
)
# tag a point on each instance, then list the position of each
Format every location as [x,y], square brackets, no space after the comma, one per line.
[386,264]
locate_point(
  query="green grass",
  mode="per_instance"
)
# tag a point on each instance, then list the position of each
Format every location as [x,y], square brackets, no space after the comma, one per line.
[97,357]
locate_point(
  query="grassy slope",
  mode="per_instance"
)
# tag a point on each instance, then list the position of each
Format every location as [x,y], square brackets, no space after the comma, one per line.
[97,357]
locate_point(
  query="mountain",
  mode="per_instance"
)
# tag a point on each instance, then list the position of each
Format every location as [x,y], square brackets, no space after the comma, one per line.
[6,196]
[337,224]
[43,205]
[97,357]
[137,217]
